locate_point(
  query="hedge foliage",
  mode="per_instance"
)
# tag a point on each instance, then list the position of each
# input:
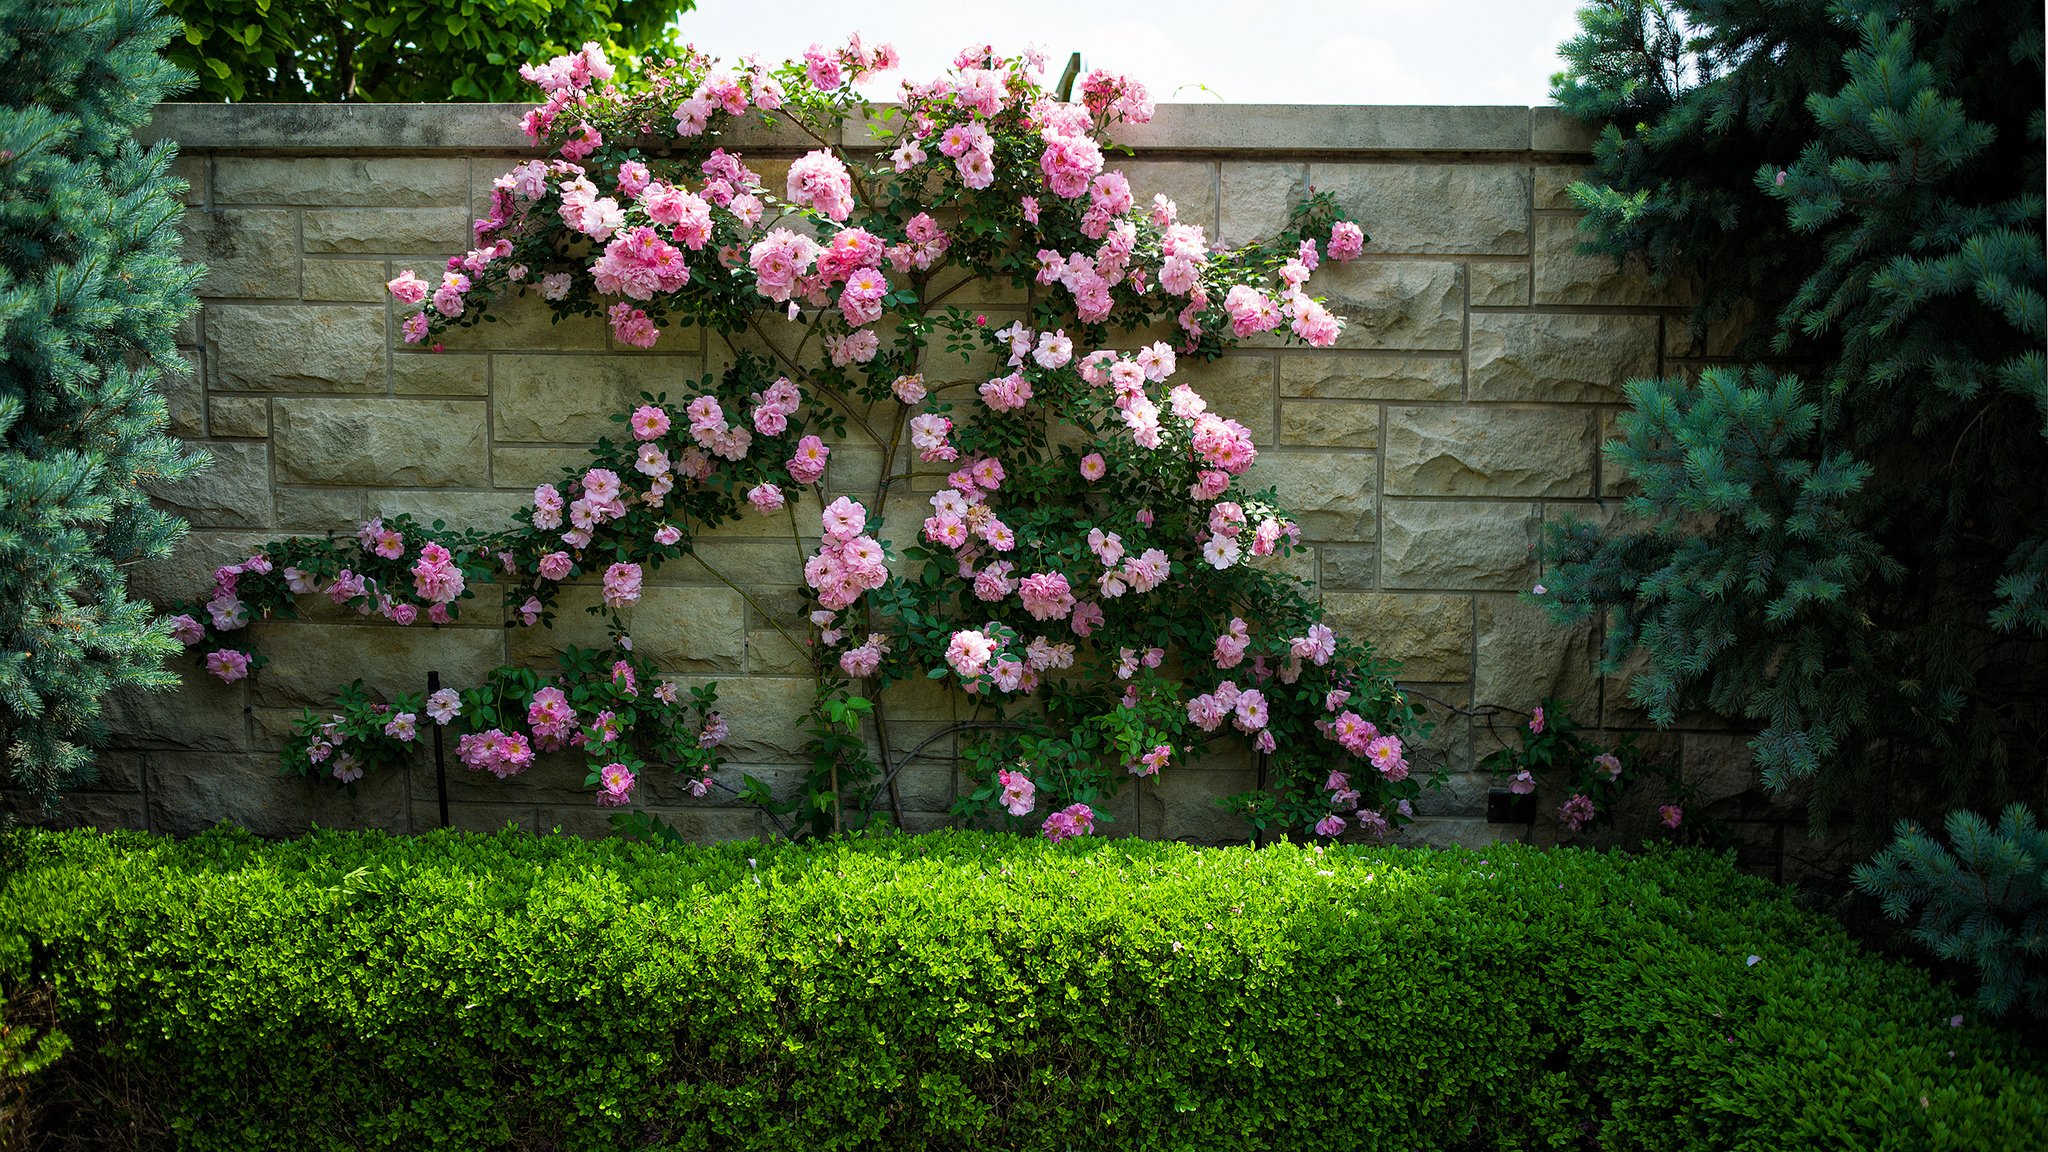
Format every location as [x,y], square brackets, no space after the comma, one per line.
[970,991]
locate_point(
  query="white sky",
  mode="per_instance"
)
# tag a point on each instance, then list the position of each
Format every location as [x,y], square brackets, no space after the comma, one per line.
[1298,52]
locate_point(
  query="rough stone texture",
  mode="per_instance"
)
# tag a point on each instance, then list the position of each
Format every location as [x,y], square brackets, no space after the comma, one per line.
[239,417]
[401,231]
[1329,493]
[1257,198]
[1430,634]
[1559,358]
[233,492]
[1330,424]
[1238,387]
[1565,275]
[680,629]
[1498,285]
[1524,659]
[410,443]
[337,180]
[1479,209]
[1482,360]
[360,281]
[1397,304]
[1190,185]
[523,322]
[1442,451]
[1442,544]
[247,253]
[295,348]
[569,400]
[442,374]
[308,660]
[1328,376]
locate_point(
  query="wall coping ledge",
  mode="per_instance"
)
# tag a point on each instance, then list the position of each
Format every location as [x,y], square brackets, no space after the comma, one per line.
[1320,129]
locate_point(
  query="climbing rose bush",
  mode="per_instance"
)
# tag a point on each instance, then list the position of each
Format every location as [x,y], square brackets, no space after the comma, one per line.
[1060,526]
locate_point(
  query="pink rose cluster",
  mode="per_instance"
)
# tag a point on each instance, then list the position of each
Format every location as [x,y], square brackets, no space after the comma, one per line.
[328,746]
[847,562]
[1069,822]
[496,751]
[1245,708]
[1361,737]
[1019,794]
[552,719]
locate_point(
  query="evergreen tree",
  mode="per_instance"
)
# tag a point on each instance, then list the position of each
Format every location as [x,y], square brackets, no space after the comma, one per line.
[1846,547]
[91,294]
[1986,903]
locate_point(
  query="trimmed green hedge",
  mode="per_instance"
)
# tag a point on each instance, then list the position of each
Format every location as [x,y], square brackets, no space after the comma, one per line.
[969,991]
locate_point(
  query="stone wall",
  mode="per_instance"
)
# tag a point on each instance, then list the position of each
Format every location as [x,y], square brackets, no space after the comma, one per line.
[1463,407]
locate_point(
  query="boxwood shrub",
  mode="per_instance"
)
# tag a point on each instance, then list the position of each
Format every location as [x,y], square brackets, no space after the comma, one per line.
[965,991]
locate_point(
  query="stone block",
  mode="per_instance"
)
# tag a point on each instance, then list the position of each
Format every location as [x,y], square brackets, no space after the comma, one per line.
[1434,209]
[188,570]
[116,770]
[200,714]
[192,170]
[184,391]
[757,566]
[681,629]
[238,417]
[1499,285]
[1458,832]
[440,374]
[1446,748]
[1349,568]
[340,180]
[1404,305]
[770,653]
[319,509]
[1466,451]
[529,466]
[309,661]
[1559,358]
[1525,659]
[1190,184]
[247,253]
[524,322]
[388,443]
[398,231]
[359,281]
[475,817]
[1446,545]
[1330,494]
[295,348]
[1718,766]
[104,811]
[231,492]
[1237,387]
[1256,199]
[1328,376]
[487,510]
[571,399]
[1614,478]
[1188,805]
[1719,338]
[1431,635]
[1555,130]
[1554,183]
[193,791]
[1330,424]
[768,716]
[1461,794]
[1565,275]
